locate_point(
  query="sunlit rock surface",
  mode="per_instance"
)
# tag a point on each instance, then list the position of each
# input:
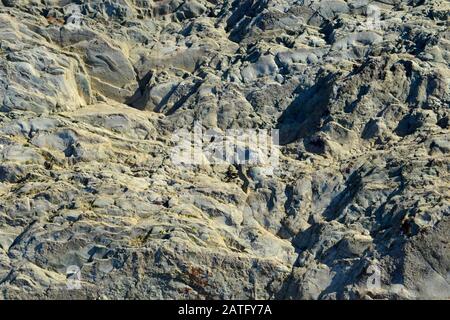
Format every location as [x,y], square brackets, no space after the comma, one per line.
[357,207]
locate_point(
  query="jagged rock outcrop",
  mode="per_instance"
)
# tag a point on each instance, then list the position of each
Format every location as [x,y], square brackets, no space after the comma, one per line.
[91,93]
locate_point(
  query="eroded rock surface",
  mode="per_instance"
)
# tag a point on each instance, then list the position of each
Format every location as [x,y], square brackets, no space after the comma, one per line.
[92,91]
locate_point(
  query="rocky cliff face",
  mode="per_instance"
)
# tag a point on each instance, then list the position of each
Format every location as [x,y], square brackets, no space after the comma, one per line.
[357,206]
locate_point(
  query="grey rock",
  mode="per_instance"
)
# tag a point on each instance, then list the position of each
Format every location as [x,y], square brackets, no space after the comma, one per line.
[91,94]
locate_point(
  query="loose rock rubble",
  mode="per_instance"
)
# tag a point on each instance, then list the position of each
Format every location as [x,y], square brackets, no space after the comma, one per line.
[92,91]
